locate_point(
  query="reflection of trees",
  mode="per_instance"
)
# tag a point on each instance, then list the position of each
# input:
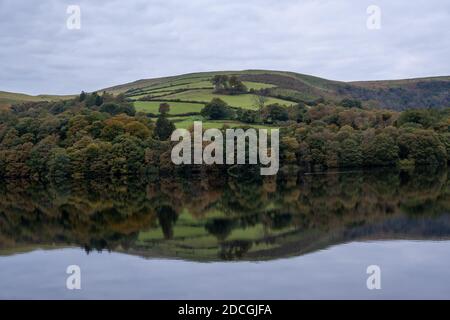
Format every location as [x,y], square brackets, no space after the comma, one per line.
[279,220]
[167,217]
[280,210]
[220,228]
[234,249]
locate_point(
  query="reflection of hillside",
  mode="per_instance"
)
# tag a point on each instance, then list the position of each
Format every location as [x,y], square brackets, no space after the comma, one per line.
[214,218]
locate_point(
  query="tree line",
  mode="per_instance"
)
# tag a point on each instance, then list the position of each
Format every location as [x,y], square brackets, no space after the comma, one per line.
[102,135]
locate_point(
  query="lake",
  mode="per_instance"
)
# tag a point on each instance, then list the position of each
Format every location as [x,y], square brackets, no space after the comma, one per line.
[293,236]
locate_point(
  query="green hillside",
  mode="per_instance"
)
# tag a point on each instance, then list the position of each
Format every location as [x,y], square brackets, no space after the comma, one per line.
[290,87]
[280,87]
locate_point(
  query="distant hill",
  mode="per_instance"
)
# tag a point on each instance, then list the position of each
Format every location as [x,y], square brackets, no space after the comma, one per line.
[282,87]
[431,92]
[12,97]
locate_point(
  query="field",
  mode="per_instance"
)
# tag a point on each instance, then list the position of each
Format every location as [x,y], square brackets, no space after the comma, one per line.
[175,107]
[187,122]
[245,101]
[191,95]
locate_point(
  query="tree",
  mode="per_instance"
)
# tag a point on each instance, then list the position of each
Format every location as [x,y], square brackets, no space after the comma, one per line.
[382,150]
[228,85]
[216,109]
[350,103]
[59,164]
[112,130]
[312,150]
[275,112]
[164,108]
[167,217]
[98,100]
[82,96]
[164,127]
[424,147]
[236,86]
[91,99]
[220,82]
[138,129]
[421,117]
[97,159]
[40,153]
[297,112]
[259,101]
[114,108]
[111,108]
[127,155]
[220,228]
[350,153]
[247,116]
[289,147]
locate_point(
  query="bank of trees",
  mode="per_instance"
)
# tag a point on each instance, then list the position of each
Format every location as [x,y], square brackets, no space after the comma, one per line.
[328,136]
[102,135]
[228,85]
[357,138]
[78,139]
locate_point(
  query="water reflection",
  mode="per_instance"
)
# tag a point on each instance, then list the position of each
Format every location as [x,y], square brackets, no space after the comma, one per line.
[217,218]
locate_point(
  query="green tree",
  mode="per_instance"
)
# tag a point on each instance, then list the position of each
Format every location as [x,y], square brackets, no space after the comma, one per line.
[220,82]
[423,147]
[247,116]
[236,86]
[350,153]
[275,112]
[421,117]
[216,109]
[164,127]
[351,103]
[127,155]
[115,108]
[82,96]
[382,150]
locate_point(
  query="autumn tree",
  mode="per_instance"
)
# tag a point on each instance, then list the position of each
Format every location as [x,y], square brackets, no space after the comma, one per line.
[164,108]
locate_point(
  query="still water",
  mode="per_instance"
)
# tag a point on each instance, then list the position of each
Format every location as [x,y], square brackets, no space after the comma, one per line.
[286,237]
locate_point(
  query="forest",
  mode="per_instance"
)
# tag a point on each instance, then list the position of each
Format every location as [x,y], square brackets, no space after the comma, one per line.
[95,135]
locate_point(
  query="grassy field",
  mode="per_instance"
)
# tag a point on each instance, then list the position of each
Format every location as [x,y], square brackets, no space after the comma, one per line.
[172,88]
[187,122]
[175,107]
[257,85]
[192,85]
[165,89]
[180,83]
[243,100]
[153,94]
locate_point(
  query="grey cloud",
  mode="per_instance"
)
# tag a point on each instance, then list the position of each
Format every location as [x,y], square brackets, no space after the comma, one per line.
[122,41]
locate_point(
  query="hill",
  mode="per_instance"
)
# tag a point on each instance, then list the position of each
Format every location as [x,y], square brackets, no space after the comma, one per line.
[289,87]
[12,97]
[193,90]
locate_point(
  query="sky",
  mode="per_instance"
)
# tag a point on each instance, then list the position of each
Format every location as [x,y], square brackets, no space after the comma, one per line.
[123,41]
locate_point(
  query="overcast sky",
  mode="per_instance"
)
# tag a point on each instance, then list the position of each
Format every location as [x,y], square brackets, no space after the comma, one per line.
[122,41]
